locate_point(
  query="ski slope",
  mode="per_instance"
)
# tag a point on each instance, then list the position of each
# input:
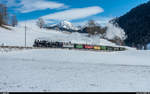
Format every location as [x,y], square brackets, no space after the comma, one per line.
[69,70]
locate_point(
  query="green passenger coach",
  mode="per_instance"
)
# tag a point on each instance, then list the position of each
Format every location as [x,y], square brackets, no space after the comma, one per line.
[79,46]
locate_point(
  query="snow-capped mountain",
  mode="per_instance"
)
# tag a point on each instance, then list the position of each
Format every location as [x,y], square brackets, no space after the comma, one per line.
[67,25]
[63,26]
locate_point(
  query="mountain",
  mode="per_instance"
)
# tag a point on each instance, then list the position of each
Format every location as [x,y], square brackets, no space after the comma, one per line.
[136,24]
[67,25]
[63,26]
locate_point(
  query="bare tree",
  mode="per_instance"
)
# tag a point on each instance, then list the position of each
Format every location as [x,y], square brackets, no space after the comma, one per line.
[93,28]
[1,19]
[5,18]
[14,21]
[3,14]
[90,27]
[91,23]
[40,23]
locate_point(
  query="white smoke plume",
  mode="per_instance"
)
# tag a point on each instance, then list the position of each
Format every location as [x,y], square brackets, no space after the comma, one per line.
[113,30]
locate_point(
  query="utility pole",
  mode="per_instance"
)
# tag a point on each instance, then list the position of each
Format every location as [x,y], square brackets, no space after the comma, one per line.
[25,35]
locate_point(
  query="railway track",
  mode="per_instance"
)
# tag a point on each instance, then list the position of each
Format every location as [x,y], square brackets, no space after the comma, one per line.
[16,47]
[13,48]
[10,48]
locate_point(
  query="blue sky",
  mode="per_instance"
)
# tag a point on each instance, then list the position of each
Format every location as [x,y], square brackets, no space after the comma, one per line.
[76,11]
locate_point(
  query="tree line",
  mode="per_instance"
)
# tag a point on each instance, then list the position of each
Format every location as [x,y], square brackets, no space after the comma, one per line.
[6,18]
[94,28]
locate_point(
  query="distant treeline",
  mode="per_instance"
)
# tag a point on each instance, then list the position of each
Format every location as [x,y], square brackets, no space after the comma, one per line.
[7,18]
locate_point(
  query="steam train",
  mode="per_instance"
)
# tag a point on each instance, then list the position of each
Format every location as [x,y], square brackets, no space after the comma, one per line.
[69,45]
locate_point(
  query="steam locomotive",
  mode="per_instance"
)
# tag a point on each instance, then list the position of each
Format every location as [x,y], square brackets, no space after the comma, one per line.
[69,45]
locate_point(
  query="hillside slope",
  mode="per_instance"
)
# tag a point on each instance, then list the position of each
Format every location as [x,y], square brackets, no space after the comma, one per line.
[136,24]
[16,36]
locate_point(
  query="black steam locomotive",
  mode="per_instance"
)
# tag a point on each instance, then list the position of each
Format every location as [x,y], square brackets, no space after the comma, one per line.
[56,44]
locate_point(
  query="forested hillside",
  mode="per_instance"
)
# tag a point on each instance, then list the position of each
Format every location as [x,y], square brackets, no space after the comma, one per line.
[136,24]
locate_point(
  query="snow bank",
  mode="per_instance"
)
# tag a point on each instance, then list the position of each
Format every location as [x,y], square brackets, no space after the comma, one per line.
[70,70]
[129,57]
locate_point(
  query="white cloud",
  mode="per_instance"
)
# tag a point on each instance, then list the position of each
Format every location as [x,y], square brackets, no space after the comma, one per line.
[25,6]
[32,5]
[9,3]
[73,14]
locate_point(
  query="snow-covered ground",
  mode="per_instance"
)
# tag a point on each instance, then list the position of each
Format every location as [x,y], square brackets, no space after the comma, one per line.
[16,36]
[71,70]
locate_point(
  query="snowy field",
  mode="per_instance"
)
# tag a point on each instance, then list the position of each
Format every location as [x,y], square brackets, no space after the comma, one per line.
[70,70]
[16,36]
